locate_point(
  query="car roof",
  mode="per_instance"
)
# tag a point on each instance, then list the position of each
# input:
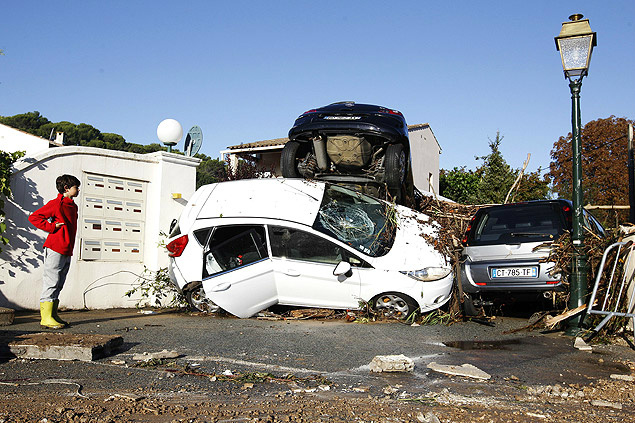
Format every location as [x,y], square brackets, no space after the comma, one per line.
[295,200]
[526,203]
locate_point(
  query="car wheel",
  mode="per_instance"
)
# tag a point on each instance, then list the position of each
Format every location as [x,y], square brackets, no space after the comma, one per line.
[396,166]
[198,301]
[469,309]
[289,160]
[393,304]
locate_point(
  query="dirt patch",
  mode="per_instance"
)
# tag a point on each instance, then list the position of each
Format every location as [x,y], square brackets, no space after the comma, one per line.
[605,401]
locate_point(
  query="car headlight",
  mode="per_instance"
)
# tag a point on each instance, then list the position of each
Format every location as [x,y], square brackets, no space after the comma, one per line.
[428,274]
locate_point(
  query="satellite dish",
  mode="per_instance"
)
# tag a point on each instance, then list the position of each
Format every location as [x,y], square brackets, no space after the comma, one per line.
[193,140]
[170,132]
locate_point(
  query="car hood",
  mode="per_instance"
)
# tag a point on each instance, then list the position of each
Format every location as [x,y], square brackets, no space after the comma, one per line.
[413,247]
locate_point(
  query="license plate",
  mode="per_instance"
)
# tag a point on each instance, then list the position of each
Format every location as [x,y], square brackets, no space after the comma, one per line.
[342,117]
[515,272]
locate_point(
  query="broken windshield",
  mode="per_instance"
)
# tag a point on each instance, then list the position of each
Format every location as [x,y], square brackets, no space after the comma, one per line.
[364,223]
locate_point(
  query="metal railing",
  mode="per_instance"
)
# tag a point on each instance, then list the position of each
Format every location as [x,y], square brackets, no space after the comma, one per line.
[613,295]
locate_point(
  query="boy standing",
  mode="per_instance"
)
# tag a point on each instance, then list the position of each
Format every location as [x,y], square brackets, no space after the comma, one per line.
[58,217]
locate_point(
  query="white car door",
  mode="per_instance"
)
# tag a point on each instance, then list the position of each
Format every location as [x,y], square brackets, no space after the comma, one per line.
[304,264]
[237,271]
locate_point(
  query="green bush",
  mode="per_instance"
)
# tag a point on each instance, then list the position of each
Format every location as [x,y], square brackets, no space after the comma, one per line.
[6,160]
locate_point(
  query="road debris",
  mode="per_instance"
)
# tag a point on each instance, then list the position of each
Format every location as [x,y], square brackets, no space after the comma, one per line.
[7,315]
[125,397]
[310,313]
[391,363]
[553,321]
[161,355]
[626,378]
[390,390]
[538,416]
[601,403]
[64,346]
[427,418]
[581,345]
[466,370]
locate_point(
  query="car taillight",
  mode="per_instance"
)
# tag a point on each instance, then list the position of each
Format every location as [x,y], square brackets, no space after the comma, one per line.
[568,215]
[308,111]
[467,232]
[175,247]
[391,111]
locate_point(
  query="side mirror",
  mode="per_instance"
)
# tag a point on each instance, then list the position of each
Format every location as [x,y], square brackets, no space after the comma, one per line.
[343,268]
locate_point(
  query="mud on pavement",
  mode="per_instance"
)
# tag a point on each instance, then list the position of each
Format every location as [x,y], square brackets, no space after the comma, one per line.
[231,370]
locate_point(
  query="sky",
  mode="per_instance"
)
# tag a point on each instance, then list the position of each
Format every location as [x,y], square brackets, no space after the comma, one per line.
[244,70]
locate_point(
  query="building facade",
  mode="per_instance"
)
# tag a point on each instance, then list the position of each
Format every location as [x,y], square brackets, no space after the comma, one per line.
[126,202]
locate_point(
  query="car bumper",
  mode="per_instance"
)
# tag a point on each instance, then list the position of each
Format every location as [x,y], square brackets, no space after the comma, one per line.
[306,131]
[476,277]
[434,294]
[176,277]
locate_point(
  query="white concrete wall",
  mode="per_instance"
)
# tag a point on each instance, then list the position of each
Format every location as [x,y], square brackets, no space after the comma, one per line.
[425,158]
[12,140]
[90,284]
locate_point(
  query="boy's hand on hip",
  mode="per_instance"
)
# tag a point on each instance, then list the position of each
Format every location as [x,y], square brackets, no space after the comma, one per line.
[59,224]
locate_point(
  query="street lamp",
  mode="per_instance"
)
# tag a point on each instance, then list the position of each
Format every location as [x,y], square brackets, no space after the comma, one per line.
[575,43]
[170,133]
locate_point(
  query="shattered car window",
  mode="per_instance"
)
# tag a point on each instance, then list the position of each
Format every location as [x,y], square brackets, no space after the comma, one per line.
[231,247]
[364,223]
[299,245]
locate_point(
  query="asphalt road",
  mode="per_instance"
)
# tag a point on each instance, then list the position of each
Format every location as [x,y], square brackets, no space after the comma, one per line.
[334,349]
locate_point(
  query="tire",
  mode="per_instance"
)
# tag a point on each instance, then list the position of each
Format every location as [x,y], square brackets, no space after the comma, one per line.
[289,160]
[469,309]
[198,301]
[396,167]
[395,304]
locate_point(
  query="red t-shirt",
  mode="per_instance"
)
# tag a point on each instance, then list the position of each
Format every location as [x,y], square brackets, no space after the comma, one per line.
[61,209]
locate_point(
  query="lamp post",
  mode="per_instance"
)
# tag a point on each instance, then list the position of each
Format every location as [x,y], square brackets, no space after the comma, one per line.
[575,43]
[170,133]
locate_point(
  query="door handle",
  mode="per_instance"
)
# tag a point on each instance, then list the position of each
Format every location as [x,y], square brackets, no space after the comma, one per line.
[221,287]
[291,272]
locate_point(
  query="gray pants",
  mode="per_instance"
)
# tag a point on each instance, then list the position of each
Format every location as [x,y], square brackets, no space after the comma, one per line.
[56,267]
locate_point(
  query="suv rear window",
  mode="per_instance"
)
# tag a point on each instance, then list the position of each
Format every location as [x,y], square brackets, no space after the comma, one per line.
[516,224]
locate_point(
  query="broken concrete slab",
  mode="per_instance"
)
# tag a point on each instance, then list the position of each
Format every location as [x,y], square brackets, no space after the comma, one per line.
[601,403]
[581,345]
[626,378]
[64,346]
[146,356]
[427,418]
[6,316]
[466,370]
[391,363]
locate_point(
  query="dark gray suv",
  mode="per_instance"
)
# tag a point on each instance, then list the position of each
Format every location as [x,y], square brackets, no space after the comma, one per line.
[501,254]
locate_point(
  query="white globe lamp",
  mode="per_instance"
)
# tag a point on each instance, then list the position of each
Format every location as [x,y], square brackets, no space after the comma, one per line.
[170,132]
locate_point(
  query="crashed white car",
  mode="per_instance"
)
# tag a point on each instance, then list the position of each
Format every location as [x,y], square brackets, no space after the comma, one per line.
[249,244]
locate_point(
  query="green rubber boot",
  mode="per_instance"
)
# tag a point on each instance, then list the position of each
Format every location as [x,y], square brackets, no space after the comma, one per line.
[46,310]
[56,304]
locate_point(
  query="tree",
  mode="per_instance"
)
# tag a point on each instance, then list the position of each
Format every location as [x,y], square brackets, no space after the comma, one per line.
[491,181]
[532,186]
[604,164]
[495,176]
[210,171]
[27,122]
[458,184]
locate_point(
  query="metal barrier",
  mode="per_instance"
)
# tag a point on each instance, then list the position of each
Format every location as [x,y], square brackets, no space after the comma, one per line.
[623,289]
